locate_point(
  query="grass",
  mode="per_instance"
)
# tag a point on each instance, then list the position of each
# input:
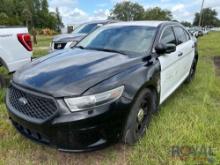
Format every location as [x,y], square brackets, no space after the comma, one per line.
[43,41]
[190,117]
[42,46]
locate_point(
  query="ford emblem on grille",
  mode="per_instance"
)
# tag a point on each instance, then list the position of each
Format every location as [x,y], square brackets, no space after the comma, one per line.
[23,101]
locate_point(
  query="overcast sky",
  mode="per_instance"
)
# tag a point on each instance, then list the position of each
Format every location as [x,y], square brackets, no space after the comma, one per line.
[77,11]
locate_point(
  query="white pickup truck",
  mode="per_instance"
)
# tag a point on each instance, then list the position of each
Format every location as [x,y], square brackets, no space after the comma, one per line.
[15,47]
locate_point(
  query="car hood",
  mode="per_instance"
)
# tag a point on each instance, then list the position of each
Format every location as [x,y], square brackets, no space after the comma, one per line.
[71,72]
[69,37]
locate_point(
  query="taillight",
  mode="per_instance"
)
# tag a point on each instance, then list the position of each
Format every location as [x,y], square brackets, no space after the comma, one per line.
[25,40]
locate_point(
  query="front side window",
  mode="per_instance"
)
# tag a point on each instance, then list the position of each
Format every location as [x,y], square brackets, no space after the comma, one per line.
[168,37]
[127,39]
[180,35]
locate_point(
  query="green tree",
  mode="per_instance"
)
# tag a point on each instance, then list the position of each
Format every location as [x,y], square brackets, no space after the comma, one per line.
[187,24]
[26,16]
[44,6]
[31,13]
[3,19]
[157,14]
[127,11]
[209,18]
[36,10]
[59,20]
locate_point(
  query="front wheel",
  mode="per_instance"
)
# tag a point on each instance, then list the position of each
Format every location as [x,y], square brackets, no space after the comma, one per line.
[139,116]
[3,81]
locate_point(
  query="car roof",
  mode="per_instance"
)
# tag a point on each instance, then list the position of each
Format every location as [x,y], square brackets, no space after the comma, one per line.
[140,23]
[99,21]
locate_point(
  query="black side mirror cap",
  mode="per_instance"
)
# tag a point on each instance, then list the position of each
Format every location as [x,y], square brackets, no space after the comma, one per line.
[165,48]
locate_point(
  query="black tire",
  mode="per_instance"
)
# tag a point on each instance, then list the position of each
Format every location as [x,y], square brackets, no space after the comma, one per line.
[137,122]
[192,72]
[2,81]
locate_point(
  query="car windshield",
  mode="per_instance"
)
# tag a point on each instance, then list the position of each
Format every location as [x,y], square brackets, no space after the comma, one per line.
[131,40]
[85,28]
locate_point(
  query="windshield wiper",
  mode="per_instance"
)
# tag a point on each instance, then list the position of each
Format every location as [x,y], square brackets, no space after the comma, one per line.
[108,50]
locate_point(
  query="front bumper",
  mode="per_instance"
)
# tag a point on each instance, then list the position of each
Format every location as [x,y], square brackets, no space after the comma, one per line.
[80,131]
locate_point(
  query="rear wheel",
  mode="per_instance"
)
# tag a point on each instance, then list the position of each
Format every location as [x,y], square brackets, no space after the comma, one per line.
[192,71]
[139,116]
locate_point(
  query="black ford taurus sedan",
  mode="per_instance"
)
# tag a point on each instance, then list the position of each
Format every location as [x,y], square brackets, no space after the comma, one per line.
[103,90]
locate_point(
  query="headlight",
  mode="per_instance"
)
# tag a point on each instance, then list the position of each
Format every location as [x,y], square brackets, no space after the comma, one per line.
[73,44]
[92,101]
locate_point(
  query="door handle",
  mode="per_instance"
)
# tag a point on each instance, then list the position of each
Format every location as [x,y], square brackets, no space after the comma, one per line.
[180,54]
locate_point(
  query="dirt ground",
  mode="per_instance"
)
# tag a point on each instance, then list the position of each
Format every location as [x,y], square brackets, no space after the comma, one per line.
[217,65]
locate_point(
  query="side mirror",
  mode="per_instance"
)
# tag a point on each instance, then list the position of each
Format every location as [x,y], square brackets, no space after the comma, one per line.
[165,48]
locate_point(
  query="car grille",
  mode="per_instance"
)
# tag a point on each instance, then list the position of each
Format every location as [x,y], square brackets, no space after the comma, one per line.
[59,45]
[32,106]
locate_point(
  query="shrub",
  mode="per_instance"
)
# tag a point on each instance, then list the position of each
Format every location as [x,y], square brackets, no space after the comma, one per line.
[47,31]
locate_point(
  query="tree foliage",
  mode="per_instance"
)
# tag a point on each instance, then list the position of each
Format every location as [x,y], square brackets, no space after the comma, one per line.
[30,13]
[59,20]
[187,24]
[157,14]
[209,18]
[128,11]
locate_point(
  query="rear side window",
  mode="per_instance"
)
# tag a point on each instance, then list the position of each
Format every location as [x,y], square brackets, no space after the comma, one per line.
[168,36]
[181,35]
[187,35]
